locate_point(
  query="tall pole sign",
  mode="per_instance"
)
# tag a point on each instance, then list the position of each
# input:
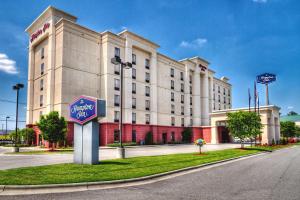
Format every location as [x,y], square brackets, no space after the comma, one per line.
[84,111]
[266,79]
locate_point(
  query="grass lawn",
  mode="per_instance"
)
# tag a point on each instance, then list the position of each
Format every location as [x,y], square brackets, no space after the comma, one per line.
[113,169]
[271,148]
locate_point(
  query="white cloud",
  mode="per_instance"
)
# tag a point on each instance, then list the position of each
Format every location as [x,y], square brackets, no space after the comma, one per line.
[7,65]
[290,107]
[197,43]
[260,1]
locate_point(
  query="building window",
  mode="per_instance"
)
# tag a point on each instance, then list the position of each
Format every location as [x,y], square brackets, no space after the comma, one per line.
[182,121]
[219,106]
[117,52]
[117,69]
[172,108]
[147,77]
[133,59]
[191,90]
[133,73]
[147,104]
[117,84]
[181,76]
[41,113]
[116,136]
[147,63]
[133,88]
[182,98]
[214,97]
[133,136]
[191,112]
[147,91]
[214,106]
[224,107]
[172,72]
[134,103]
[191,122]
[229,101]
[173,121]
[117,116]
[218,89]
[213,87]
[191,100]
[224,99]
[42,84]
[42,53]
[117,100]
[182,87]
[172,84]
[147,117]
[42,68]
[229,92]
[172,137]
[133,118]
[224,91]
[182,110]
[219,98]
[41,100]
[190,77]
[172,96]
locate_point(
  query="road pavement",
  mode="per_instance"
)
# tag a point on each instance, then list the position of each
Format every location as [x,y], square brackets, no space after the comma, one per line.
[8,161]
[272,176]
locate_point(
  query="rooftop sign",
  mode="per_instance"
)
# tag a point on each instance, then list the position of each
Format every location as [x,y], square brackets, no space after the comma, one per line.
[39,32]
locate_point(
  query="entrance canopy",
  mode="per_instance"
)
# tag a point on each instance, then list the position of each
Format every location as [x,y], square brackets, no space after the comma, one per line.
[269,118]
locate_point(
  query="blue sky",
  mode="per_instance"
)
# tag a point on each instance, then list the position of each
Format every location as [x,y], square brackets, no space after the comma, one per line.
[240,38]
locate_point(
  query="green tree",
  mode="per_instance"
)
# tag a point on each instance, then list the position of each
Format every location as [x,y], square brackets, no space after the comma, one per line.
[292,113]
[13,137]
[28,135]
[288,129]
[149,138]
[187,135]
[244,125]
[53,127]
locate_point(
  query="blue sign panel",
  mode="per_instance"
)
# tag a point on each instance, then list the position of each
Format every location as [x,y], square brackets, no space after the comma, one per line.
[266,78]
[83,109]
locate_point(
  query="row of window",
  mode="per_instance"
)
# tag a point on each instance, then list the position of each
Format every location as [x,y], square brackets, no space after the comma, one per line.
[224,90]
[219,99]
[117,87]
[134,60]
[224,107]
[172,74]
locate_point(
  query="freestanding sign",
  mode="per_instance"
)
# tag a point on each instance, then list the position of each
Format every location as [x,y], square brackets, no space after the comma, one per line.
[84,111]
[266,79]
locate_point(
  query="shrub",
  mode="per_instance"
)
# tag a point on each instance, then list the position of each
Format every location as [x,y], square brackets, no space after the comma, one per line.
[149,138]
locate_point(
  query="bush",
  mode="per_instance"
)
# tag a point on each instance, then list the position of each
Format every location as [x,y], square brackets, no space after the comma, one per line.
[187,135]
[149,138]
[124,144]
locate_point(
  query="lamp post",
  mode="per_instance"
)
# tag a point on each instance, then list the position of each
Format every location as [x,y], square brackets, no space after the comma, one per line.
[7,117]
[17,87]
[117,61]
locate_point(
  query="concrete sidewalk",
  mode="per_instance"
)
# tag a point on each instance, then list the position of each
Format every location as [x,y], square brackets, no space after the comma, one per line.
[9,161]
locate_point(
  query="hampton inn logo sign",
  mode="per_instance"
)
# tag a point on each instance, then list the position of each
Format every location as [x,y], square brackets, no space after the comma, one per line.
[39,32]
[83,109]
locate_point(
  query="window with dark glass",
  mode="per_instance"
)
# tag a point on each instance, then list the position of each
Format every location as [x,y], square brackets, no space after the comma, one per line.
[133,118]
[133,136]
[133,73]
[172,96]
[117,52]
[42,68]
[191,90]
[181,76]
[42,84]
[116,116]
[172,108]
[172,72]
[42,53]
[147,91]
[173,121]
[133,88]
[182,98]
[117,69]
[191,100]
[219,98]
[133,59]
[133,102]
[191,112]
[147,63]
[41,100]
[190,77]
[182,87]
[117,100]
[147,104]
[117,84]
[182,121]
[182,110]
[116,136]
[172,84]
[147,77]
[191,122]
[147,117]
[224,91]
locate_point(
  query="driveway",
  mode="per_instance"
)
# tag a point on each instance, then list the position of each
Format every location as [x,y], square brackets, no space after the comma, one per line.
[273,176]
[8,161]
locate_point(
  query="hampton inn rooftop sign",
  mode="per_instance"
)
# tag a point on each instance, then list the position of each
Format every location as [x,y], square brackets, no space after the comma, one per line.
[39,32]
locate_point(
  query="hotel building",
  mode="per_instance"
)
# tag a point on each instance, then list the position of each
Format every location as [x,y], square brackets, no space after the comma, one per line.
[161,95]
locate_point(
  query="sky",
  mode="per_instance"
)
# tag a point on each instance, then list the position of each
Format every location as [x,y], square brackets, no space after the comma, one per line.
[240,38]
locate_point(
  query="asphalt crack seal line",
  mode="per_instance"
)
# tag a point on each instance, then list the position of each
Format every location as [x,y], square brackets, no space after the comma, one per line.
[75,187]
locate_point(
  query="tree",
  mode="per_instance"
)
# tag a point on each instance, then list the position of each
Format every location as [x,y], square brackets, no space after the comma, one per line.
[53,127]
[149,138]
[27,135]
[292,113]
[288,129]
[244,125]
[186,135]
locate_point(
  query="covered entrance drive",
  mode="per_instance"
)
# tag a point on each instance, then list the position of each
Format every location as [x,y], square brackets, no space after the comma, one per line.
[269,118]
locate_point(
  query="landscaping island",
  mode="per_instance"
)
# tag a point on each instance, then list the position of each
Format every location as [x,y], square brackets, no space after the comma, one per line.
[117,169]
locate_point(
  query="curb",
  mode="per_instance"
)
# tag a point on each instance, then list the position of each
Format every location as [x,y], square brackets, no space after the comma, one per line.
[72,187]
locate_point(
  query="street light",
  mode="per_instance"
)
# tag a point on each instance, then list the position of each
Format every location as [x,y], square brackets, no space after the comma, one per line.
[127,65]
[7,117]
[17,87]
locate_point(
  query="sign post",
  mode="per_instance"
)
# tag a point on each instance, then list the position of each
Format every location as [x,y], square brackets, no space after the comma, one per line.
[266,79]
[85,111]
